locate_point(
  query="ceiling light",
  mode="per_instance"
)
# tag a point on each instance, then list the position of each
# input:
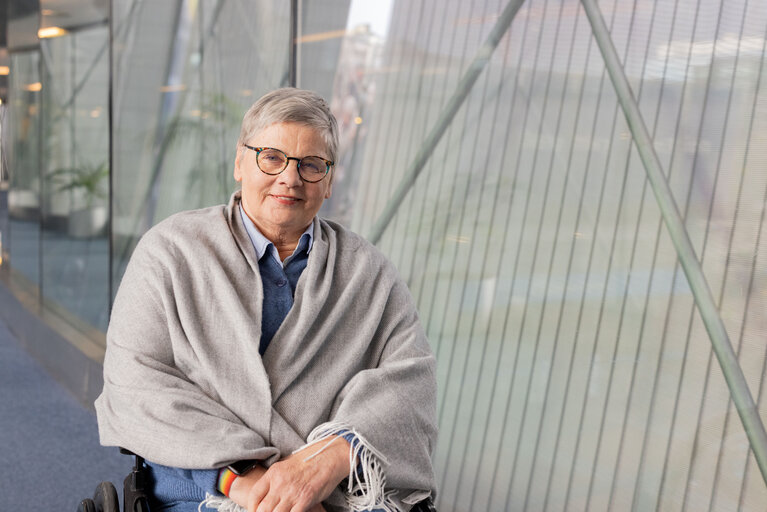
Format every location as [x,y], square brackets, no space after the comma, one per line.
[47,32]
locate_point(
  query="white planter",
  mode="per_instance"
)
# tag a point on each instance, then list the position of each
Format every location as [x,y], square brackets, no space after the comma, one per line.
[88,222]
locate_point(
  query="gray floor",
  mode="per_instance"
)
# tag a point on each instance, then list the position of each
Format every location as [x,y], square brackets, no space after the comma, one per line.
[49,448]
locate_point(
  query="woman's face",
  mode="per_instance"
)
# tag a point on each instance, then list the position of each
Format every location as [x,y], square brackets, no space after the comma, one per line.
[284,204]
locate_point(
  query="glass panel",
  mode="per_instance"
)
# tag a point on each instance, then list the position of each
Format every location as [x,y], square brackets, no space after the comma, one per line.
[177,121]
[574,371]
[23,148]
[76,207]
[4,184]
[321,30]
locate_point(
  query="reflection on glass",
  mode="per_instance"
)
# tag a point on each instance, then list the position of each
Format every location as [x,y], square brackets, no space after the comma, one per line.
[4,231]
[176,122]
[23,148]
[339,48]
[76,186]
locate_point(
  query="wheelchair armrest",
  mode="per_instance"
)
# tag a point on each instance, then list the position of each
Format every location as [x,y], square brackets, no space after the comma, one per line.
[426,505]
[135,495]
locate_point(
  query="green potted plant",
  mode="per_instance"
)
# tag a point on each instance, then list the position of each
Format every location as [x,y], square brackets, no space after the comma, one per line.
[87,183]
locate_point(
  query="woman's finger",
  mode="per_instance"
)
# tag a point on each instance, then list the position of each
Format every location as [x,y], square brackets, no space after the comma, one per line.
[284,506]
[271,503]
[257,494]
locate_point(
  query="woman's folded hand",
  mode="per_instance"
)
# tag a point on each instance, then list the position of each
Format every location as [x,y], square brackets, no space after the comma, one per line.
[302,480]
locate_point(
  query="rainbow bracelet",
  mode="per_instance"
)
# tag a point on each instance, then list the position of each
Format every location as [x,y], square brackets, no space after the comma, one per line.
[225,479]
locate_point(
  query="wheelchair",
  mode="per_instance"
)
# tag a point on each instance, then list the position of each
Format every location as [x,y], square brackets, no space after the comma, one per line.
[135,491]
[136,494]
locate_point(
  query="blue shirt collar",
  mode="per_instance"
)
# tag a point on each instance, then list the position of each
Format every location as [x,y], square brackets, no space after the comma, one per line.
[262,244]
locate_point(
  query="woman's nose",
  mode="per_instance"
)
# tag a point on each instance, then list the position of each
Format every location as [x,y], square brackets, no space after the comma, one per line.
[290,176]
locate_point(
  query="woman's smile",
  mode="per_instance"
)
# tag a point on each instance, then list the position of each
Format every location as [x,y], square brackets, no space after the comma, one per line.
[285,200]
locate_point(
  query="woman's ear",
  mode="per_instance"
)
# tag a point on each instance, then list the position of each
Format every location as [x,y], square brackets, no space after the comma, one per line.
[237,160]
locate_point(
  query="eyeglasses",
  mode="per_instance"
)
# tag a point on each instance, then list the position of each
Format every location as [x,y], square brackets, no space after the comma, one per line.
[273,161]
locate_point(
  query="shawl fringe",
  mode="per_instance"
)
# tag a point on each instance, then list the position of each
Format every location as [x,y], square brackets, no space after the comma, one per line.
[220,503]
[366,489]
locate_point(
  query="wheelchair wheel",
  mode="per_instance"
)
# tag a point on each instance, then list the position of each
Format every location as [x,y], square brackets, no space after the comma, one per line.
[105,498]
[86,505]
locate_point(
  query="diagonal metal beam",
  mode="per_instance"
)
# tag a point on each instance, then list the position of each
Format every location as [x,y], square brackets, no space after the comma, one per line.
[293,49]
[720,341]
[463,89]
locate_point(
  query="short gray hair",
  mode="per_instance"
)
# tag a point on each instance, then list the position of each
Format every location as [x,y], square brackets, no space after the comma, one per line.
[291,105]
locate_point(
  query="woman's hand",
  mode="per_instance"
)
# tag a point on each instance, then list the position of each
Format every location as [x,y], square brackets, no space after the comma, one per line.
[242,485]
[301,481]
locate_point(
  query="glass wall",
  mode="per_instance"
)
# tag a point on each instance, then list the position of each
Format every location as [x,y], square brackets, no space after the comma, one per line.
[574,370]
[177,110]
[75,207]
[4,185]
[23,145]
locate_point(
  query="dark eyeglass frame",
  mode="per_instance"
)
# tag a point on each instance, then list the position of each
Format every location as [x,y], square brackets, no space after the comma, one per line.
[258,150]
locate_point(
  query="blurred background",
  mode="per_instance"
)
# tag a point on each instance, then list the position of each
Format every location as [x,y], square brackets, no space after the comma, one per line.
[575,372]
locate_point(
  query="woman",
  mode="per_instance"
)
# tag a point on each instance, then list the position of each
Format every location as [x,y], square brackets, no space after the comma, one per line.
[258,355]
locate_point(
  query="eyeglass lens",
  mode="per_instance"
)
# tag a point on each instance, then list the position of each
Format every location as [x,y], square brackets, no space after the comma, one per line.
[273,161]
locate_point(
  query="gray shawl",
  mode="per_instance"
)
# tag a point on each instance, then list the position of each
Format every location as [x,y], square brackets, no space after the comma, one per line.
[185,386]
